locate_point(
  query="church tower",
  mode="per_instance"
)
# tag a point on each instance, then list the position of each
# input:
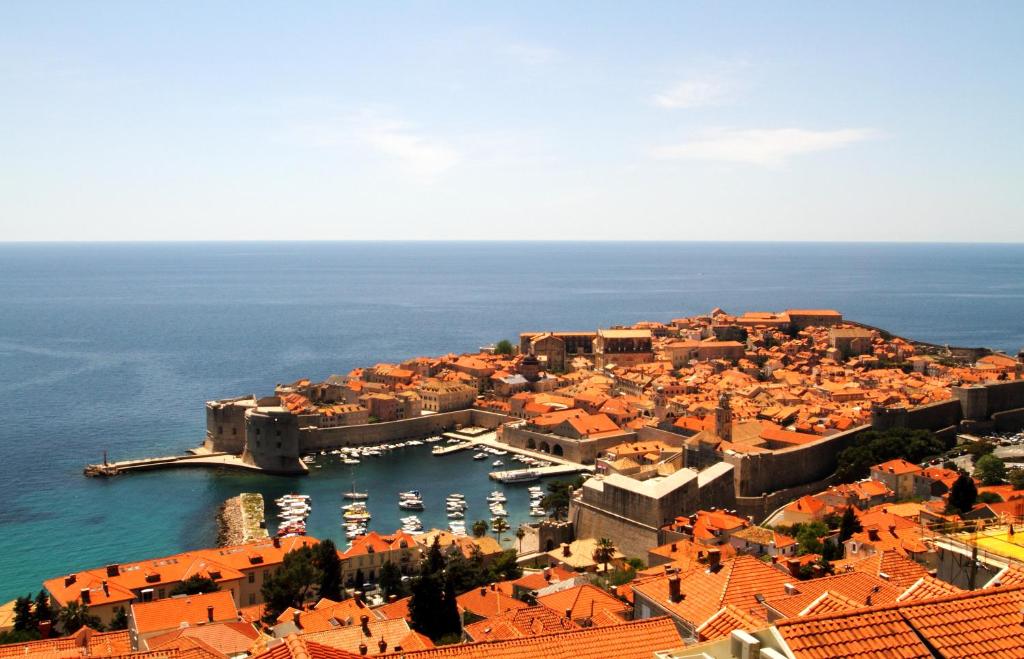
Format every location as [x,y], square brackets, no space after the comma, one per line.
[723,418]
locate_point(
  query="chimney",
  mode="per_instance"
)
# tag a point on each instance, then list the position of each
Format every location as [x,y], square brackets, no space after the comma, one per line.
[873,533]
[358,596]
[673,589]
[547,574]
[364,622]
[568,614]
[362,648]
[791,589]
[45,628]
[565,549]
[106,588]
[85,596]
[70,579]
[883,576]
[113,570]
[493,587]
[277,542]
[209,614]
[483,590]
[392,598]
[296,615]
[673,547]
[714,559]
[793,566]
[382,644]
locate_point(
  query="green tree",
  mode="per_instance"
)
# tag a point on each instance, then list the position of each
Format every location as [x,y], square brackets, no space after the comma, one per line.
[390,580]
[19,636]
[466,573]
[480,528]
[962,495]
[42,610]
[504,347]
[291,584]
[989,497]
[504,567]
[873,447]
[556,501]
[74,616]
[119,621]
[990,469]
[195,585]
[500,526]
[979,449]
[604,552]
[520,534]
[23,618]
[433,607]
[808,537]
[326,560]
[1016,478]
[848,526]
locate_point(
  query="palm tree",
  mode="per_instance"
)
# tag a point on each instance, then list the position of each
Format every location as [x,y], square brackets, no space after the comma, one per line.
[604,552]
[480,528]
[74,616]
[520,534]
[499,526]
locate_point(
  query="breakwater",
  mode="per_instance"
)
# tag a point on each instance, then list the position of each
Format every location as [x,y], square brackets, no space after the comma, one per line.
[241,520]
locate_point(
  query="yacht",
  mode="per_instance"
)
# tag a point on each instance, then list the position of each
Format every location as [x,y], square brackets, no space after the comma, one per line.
[480,456]
[537,512]
[520,476]
[411,494]
[411,504]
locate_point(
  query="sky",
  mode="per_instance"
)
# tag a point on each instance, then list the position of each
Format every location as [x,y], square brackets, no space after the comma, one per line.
[863,121]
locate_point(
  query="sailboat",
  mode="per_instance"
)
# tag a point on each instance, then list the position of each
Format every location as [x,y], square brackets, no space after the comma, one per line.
[358,496]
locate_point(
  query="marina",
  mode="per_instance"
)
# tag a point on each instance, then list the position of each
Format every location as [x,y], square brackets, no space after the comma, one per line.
[407,485]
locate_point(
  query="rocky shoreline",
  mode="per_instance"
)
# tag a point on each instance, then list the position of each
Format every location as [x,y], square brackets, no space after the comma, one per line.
[241,520]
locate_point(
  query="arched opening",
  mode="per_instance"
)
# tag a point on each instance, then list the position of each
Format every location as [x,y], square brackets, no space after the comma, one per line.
[530,443]
[544,448]
[557,450]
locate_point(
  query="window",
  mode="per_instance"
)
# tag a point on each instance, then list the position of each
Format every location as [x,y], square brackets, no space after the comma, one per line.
[220,430]
[252,579]
[234,431]
[160,594]
[252,598]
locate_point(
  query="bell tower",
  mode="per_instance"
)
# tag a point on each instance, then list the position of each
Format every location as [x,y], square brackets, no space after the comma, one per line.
[723,418]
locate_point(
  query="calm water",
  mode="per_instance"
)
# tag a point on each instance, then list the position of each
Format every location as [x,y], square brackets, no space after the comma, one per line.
[117,347]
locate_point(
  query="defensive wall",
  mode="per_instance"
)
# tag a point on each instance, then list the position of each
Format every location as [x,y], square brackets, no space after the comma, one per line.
[583,451]
[318,439]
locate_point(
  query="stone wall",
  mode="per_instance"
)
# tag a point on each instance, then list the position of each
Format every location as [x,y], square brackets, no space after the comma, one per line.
[760,473]
[934,416]
[583,451]
[631,537]
[317,439]
[1009,420]
[1005,396]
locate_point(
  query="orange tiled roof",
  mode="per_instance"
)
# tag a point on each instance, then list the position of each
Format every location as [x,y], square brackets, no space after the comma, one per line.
[521,623]
[864,635]
[487,603]
[728,619]
[85,641]
[350,637]
[228,638]
[584,602]
[171,612]
[926,588]
[859,588]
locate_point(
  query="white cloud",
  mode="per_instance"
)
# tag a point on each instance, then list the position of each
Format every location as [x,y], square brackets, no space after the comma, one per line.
[695,93]
[421,154]
[769,147]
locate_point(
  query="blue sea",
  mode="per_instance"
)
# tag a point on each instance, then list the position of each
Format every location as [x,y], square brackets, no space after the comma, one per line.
[116,347]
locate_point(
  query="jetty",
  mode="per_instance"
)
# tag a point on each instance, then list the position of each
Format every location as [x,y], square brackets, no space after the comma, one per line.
[106,469]
[241,520]
[467,441]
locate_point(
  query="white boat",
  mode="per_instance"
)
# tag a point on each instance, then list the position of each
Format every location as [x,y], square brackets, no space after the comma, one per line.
[357,496]
[520,476]
[480,456]
[437,450]
[351,461]
[456,515]
[411,504]
[537,512]
[309,459]
[497,463]
[431,440]
[411,494]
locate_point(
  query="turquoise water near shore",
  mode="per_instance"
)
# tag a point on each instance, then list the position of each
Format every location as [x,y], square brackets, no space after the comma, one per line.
[116,347]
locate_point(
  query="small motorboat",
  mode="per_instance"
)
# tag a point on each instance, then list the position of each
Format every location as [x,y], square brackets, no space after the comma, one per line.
[411,504]
[480,456]
[497,463]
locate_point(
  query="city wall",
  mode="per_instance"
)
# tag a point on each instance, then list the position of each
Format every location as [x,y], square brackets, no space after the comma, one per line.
[318,439]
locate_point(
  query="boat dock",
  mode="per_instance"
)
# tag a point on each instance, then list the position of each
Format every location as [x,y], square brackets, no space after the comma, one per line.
[560,466]
[107,469]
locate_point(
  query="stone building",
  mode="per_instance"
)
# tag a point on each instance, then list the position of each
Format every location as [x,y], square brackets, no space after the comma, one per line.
[623,347]
[440,396]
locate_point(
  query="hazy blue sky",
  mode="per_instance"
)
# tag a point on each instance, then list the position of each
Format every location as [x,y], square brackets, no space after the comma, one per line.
[702,121]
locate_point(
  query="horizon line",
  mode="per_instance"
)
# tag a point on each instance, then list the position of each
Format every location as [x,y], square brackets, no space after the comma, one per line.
[500,240]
